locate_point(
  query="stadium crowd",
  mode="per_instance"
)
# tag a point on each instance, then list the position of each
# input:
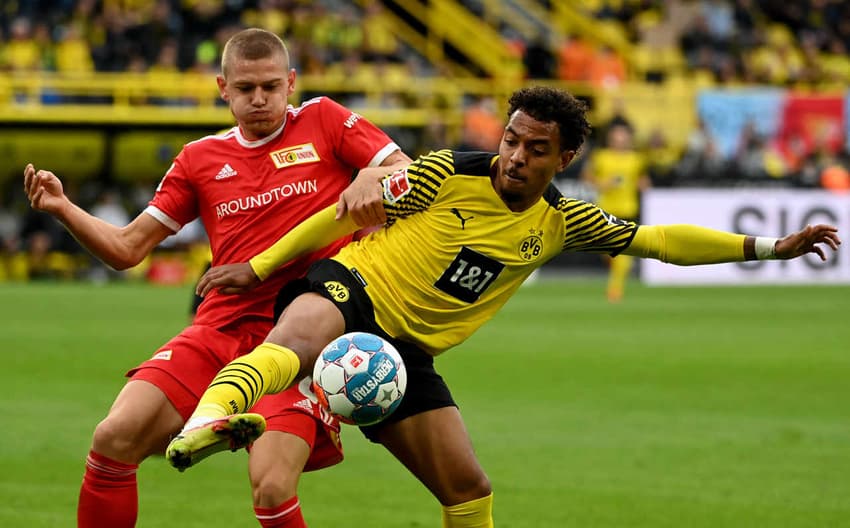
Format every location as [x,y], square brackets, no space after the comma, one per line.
[800,46]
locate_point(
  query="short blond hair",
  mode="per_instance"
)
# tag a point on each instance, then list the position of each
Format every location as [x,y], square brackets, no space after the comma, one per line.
[252,44]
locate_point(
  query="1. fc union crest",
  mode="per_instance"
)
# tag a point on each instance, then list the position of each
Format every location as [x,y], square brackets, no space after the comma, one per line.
[531,246]
[295,155]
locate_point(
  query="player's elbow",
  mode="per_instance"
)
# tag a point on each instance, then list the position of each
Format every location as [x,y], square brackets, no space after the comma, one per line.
[123,262]
[131,246]
[125,257]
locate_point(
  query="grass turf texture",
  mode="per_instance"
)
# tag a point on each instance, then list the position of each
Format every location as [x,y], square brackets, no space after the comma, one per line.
[699,407]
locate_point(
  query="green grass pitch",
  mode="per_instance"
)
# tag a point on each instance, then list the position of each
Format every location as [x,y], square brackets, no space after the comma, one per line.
[697,407]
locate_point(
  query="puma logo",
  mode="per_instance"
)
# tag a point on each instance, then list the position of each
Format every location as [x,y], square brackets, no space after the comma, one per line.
[463,220]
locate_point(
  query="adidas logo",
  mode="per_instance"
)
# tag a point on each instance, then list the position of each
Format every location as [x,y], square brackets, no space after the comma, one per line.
[226,172]
[304,404]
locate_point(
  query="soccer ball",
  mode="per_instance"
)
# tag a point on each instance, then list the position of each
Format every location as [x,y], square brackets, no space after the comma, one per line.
[360,378]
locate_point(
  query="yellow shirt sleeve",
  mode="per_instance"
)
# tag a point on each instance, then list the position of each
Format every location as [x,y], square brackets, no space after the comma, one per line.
[314,233]
[686,245]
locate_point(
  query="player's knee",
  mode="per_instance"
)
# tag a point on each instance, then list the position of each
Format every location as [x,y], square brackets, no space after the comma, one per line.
[117,439]
[270,489]
[464,490]
[480,487]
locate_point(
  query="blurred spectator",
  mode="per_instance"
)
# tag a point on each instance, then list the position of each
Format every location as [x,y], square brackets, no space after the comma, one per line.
[50,253]
[108,207]
[380,41]
[754,160]
[661,159]
[538,60]
[12,261]
[607,69]
[113,49]
[337,32]
[156,29]
[268,14]
[835,63]
[719,19]
[482,126]
[166,58]
[777,61]
[574,58]
[73,54]
[22,52]
[599,134]
[823,167]
[702,160]
[748,16]
[697,43]
[618,173]
[836,179]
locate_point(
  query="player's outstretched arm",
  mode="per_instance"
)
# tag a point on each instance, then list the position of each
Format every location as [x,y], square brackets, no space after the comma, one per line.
[363,199]
[314,233]
[119,247]
[688,245]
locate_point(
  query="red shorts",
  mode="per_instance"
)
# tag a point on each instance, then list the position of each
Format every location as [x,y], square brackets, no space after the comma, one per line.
[297,411]
[183,367]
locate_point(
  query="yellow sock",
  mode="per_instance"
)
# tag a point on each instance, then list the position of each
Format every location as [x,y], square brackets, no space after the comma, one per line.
[268,369]
[621,265]
[476,513]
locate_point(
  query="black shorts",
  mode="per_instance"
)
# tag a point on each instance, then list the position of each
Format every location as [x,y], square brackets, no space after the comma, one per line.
[426,389]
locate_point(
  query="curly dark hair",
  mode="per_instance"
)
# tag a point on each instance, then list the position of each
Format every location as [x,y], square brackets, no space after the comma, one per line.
[547,104]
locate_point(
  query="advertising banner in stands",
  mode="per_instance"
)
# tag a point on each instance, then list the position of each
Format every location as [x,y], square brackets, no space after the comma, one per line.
[792,125]
[810,124]
[766,212]
[727,113]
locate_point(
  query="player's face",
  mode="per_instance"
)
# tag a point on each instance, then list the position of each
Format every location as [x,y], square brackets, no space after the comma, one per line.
[257,92]
[529,157]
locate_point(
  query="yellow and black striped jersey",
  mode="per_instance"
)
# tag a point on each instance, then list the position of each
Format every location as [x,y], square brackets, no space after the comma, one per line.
[453,253]
[619,174]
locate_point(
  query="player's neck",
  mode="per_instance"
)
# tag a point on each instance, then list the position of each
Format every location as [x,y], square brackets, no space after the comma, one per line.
[515,202]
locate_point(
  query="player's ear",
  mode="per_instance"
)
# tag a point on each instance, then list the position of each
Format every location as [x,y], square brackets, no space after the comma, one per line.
[566,157]
[290,78]
[221,82]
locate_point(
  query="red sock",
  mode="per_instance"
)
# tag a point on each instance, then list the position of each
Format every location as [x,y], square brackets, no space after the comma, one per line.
[286,515]
[108,496]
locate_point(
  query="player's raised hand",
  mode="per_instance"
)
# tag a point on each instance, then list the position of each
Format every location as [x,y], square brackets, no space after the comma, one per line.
[228,279]
[44,190]
[807,240]
[363,199]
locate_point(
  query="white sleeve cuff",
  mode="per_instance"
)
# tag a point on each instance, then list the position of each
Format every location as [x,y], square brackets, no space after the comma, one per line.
[382,154]
[163,218]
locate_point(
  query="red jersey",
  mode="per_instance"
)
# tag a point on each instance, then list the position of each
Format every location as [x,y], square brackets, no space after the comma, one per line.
[248,194]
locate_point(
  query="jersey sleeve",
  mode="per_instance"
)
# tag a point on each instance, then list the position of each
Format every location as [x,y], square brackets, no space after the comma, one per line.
[356,140]
[590,229]
[175,202]
[414,188]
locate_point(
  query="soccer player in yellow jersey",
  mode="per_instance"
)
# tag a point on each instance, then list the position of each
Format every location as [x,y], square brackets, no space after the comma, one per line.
[618,173]
[464,231]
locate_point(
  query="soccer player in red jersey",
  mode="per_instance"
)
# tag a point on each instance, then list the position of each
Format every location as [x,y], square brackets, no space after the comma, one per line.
[250,186]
